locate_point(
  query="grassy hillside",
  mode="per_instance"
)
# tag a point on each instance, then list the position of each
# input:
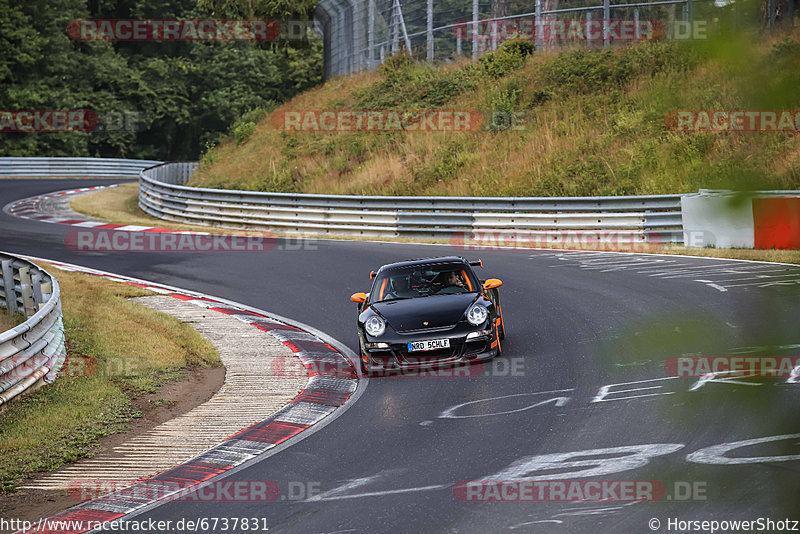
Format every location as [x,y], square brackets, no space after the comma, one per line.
[594,124]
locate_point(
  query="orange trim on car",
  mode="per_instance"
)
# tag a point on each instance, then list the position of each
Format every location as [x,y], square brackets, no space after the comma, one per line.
[469,282]
[383,288]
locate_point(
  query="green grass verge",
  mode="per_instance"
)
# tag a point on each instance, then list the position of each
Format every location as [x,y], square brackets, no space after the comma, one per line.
[117,350]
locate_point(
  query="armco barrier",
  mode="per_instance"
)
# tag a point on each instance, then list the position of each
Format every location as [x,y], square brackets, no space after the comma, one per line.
[33,352]
[100,167]
[163,194]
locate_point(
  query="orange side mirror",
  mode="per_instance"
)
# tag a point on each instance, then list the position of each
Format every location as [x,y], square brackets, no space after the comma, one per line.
[372,274]
[358,297]
[492,283]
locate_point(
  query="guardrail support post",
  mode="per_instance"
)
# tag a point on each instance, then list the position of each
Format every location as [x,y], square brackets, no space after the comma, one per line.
[36,286]
[8,287]
[28,305]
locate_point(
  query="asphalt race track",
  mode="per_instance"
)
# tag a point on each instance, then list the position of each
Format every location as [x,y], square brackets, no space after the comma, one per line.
[582,368]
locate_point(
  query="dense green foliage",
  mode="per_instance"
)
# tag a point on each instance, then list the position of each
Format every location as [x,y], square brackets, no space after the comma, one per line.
[170,99]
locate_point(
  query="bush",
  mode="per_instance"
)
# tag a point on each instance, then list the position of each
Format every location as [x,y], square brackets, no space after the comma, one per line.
[243,132]
[786,47]
[587,71]
[509,57]
[503,103]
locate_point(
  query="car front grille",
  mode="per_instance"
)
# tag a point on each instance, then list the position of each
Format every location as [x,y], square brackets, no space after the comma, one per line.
[429,356]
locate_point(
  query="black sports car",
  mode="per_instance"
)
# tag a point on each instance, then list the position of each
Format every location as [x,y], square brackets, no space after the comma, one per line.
[427,313]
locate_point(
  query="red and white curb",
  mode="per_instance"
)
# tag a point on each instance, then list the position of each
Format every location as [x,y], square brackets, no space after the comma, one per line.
[333,384]
[28,208]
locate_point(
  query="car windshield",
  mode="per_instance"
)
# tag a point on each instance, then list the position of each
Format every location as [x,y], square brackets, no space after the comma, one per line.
[416,281]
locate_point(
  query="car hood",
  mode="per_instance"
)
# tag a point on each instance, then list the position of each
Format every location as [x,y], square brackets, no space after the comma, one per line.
[437,311]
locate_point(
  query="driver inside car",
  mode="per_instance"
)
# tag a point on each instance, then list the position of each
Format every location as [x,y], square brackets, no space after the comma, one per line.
[401,289]
[452,283]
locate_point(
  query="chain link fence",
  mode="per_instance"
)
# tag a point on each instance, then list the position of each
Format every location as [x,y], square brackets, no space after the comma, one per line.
[359,35]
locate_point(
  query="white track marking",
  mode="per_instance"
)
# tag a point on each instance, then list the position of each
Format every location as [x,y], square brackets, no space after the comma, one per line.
[605,391]
[518,525]
[449,413]
[635,456]
[712,377]
[716,454]
[712,284]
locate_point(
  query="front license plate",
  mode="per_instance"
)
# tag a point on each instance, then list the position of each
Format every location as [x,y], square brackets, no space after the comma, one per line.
[431,344]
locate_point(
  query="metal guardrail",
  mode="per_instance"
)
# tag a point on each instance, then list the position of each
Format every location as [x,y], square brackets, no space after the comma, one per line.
[100,167]
[163,194]
[33,352]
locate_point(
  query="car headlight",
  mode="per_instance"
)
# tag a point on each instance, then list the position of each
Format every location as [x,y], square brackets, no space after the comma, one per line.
[477,315]
[375,326]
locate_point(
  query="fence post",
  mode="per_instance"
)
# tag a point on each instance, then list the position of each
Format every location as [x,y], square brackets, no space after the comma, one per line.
[395,29]
[588,27]
[430,30]
[606,19]
[537,24]
[636,23]
[371,34]
[475,30]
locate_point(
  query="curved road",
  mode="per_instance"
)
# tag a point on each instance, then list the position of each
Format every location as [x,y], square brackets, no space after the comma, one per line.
[582,369]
